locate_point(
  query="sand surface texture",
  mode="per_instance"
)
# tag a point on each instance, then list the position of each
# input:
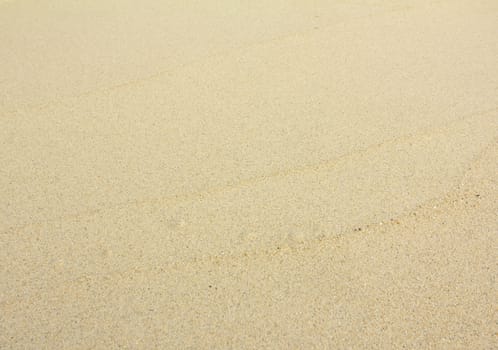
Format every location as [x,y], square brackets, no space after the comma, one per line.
[248,174]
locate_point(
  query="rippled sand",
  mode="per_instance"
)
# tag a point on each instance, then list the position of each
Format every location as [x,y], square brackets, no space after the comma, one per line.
[248,175]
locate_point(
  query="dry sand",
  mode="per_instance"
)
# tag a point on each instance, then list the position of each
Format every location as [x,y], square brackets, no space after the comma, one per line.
[248,174]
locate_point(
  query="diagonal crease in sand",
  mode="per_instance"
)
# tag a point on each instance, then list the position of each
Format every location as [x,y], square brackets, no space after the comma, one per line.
[461,189]
[172,237]
[295,171]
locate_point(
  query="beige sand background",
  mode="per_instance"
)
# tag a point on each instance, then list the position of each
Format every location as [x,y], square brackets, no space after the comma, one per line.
[248,174]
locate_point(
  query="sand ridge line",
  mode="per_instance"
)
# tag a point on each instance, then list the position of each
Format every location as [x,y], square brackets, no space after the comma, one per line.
[210,191]
[286,247]
[454,194]
[432,207]
[142,80]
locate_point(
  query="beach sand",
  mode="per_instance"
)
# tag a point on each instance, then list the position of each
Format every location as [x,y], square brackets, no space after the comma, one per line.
[249,175]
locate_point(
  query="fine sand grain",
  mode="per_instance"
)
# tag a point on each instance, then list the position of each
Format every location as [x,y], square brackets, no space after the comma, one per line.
[249,174]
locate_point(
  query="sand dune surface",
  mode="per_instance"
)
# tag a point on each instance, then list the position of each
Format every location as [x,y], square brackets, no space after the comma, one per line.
[248,175]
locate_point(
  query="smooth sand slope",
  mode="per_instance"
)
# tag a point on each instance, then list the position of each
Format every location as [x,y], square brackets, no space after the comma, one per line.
[248,174]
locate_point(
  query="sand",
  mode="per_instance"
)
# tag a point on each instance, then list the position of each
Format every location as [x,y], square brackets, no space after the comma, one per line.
[248,174]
